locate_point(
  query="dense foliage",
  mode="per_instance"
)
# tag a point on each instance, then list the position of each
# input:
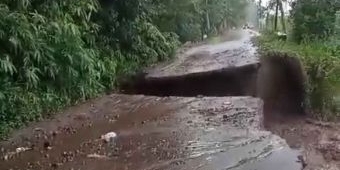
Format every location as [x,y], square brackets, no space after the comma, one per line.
[56,53]
[190,19]
[313,19]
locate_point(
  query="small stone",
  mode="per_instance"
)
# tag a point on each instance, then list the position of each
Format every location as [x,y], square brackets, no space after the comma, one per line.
[81,116]
[190,121]
[143,122]
[335,137]
[109,136]
[199,96]
[38,129]
[55,165]
[96,156]
[54,133]
[227,103]
[47,144]
[22,149]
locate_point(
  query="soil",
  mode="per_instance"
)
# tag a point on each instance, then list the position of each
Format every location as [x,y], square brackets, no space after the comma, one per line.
[318,140]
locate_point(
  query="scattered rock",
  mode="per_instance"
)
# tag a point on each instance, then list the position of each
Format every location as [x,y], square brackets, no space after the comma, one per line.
[56,165]
[226,103]
[18,150]
[318,123]
[112,120]
[54,133]
[6,157]
[335,137]
[116,116]
[22,149]
[97,156]
[81,116]
[109,136]
[47,145]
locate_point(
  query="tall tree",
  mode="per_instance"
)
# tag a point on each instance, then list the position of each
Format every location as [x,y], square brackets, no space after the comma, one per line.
[278,5]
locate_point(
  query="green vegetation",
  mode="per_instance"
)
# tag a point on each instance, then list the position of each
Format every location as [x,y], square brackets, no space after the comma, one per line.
[314,39]
[56,53]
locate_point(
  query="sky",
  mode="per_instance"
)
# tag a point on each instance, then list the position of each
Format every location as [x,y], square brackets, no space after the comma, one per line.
[286,7]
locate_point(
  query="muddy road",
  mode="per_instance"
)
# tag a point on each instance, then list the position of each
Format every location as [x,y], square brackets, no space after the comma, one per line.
[154,133]
[185,114]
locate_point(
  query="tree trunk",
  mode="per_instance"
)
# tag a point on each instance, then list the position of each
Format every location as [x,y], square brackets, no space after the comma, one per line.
[283,18]
[207,16]
[267,21]
[276,14]
[260,14]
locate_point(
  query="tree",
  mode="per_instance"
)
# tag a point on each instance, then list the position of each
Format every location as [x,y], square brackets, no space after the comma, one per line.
[277,4]
[313,19]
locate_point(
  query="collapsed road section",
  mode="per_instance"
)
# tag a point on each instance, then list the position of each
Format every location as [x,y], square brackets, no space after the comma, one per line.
[174,127]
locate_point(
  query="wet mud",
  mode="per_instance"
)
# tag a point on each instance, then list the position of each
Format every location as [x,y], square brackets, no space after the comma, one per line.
[153,133]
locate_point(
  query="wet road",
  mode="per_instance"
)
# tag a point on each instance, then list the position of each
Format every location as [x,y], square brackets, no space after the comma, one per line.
[164,133]
[235,53]
[155,133]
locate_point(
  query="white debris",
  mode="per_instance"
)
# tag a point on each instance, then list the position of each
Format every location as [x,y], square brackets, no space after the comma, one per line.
[17,151]
[109,136]
[96,156]
[22,149]
[226,103]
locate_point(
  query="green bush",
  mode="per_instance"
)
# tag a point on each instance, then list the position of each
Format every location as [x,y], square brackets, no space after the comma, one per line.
[56,53]
[313,19]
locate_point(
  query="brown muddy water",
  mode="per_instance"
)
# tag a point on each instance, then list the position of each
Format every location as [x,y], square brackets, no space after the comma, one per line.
[186,114]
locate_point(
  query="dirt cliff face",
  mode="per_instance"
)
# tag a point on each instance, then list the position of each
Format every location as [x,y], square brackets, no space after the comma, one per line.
[281,84]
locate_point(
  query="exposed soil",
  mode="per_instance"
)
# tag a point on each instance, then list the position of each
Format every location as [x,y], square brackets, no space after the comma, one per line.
[319,141]
[236,81]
